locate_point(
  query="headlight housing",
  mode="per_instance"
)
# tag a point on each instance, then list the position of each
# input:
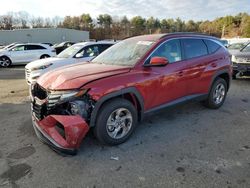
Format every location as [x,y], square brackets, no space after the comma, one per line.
[42,67]
[59,97]
[67,94]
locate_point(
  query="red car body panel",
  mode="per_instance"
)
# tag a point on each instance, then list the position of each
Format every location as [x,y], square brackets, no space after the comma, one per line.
[74,76]
[75,128]
[168,83]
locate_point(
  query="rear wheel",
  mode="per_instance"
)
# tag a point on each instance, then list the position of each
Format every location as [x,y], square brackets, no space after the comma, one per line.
[5,61]
[217,94]
[44,56]
[116,122]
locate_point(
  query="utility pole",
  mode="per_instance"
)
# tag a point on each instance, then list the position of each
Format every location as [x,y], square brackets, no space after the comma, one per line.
[223,31]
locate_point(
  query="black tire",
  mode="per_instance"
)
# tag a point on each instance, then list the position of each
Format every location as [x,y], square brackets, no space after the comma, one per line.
[5,61]
[101,128]
[210,101]
[44,56]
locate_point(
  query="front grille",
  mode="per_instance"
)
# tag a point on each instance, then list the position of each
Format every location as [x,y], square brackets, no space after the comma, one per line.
[39,92]
[39,110]
[27,73]
[52,101]
[244,64]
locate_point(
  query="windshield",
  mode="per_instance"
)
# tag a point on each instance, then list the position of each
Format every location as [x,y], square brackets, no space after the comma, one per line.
[125,53]
[224,42]
[60,44]
[9,46]
[236,46]
[247,48]
[70,51]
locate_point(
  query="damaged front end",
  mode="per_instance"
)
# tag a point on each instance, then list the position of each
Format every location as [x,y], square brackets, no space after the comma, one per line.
[61,118]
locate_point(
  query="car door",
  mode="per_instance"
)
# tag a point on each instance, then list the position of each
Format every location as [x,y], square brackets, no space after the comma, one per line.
[34,52]
[17,54]
[196,57]
[172,76]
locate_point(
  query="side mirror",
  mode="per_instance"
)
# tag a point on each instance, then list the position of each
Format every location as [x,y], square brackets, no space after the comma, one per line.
[157,61]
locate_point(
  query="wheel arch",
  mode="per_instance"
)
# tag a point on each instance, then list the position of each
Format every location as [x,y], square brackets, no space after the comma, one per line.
[47,55]
[224,74]
[131,94]
[6,57]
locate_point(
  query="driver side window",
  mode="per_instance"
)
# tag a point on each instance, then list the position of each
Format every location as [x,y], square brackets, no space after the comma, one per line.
[18,48]
[90,51]
[170,50]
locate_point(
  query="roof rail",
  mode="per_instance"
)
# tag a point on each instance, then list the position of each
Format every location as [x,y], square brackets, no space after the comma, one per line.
[186,33]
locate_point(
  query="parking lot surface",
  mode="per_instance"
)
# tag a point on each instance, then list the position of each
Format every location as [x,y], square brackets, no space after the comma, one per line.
[187,146]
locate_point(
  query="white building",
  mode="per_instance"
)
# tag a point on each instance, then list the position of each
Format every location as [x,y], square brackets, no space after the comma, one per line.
[42,35]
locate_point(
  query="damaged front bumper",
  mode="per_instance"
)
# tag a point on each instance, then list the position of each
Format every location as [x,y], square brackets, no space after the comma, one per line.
[63,133]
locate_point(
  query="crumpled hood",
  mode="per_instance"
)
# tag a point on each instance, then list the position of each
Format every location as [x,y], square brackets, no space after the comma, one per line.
[42,62]
[242,54]
[77,75]
[233,52]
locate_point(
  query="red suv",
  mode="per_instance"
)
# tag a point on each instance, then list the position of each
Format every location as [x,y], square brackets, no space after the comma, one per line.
[134,77]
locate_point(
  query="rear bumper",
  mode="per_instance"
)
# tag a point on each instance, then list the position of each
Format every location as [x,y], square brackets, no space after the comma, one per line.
[68,140]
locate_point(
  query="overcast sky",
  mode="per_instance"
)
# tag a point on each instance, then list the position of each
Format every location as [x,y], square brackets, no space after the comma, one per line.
[185,9]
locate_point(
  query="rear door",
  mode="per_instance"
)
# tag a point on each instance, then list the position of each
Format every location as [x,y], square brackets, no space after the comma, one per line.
[196,59]
[34,52]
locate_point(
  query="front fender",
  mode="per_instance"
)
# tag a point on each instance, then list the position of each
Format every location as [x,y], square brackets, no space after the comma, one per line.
[102,100]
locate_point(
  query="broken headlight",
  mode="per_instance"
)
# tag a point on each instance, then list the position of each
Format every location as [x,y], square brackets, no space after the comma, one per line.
[80,107]
[60,97]
[66,95]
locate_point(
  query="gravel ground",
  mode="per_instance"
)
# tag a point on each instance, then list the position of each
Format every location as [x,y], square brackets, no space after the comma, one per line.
[188,146]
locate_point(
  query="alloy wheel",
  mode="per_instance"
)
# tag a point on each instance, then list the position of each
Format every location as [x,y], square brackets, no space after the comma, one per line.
[119,123]
[219,93]
[4,62]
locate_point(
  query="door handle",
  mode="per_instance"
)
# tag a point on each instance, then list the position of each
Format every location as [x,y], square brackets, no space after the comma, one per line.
[214,64]
[180,73]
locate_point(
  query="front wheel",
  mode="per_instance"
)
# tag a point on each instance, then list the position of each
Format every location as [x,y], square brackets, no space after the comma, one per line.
[5,61]
[217,94]
[116,122]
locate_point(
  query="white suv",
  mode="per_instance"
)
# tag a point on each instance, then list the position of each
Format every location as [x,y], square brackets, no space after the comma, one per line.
[25,53]
[80,52]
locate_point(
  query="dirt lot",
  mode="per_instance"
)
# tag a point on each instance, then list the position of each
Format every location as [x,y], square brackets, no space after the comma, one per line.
[189,146]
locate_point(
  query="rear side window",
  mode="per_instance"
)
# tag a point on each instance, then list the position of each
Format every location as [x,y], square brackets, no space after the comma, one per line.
[103,47]
[212,46]
[34,47]
[194,48]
